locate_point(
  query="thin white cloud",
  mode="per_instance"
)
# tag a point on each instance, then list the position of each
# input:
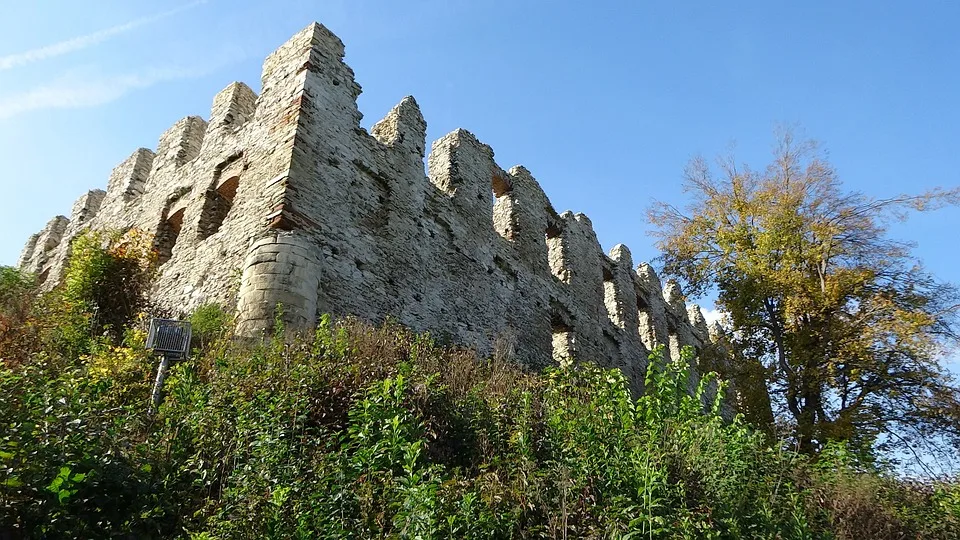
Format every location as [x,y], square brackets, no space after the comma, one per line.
[72,92]
[82,42]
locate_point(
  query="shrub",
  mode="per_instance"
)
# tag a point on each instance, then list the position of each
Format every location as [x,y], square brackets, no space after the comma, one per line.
[857,500]
[109,275]
[16,289]
[104,288]
[17,334]
[70,464]
[362,432]
[209,322]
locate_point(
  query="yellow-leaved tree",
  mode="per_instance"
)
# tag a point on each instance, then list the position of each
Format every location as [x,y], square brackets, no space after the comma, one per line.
[852,330]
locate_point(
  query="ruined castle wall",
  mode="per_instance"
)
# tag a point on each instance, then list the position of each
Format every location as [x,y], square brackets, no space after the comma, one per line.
[468,250]
[284,198]
[42,248]
[84,209]
[206,193]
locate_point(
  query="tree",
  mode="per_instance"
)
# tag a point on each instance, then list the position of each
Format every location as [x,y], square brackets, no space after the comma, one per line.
[17,291]
[108,277]
[104,287]
[850,327]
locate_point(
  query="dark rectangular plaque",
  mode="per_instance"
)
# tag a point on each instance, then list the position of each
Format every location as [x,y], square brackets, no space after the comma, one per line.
[169,337]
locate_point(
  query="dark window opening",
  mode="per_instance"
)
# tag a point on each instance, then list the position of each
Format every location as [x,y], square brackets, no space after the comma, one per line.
[557,321]
[42,278]
[216,205]
[167,236]
[553,230]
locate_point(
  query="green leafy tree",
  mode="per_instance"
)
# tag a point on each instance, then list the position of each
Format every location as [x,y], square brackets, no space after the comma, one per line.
[108,277]
[850,326]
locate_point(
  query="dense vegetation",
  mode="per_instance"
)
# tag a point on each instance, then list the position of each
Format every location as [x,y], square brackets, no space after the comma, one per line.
[359,431]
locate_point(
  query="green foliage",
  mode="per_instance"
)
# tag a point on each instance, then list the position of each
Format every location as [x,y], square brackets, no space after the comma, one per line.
[859,501]
[15,286]
[17,292]
[850,327]
[104,288]
[360,432]
[65,447]
[209,323]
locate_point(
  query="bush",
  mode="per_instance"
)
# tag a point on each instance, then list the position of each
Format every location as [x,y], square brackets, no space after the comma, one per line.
[69,447]
[104,288]
[366,432]
[17,335]
[108,277]
[209,322]
[857,500]
[16,289]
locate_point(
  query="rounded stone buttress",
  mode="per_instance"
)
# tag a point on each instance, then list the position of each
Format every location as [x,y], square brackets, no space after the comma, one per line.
[279,270]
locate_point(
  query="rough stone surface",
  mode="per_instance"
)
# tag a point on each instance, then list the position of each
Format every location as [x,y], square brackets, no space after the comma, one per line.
[284,198]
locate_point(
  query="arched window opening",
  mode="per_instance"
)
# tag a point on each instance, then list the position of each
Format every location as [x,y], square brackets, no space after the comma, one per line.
[167,236]
[228,188]
[216,205]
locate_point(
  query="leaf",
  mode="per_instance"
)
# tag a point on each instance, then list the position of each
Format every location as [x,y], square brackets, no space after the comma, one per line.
[13,482]
[279,496]
[54,486]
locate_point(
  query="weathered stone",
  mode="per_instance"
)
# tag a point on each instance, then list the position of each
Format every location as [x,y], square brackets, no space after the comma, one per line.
[285,193]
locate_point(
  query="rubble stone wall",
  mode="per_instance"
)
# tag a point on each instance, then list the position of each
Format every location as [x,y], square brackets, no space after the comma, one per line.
[284,198]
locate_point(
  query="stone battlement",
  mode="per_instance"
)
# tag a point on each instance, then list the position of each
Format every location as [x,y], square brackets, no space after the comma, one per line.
[287,193]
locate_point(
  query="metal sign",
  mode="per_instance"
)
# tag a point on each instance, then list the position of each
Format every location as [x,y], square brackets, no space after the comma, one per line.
[168,337]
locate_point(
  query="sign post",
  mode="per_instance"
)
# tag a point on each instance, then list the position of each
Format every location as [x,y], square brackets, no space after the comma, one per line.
[171,340]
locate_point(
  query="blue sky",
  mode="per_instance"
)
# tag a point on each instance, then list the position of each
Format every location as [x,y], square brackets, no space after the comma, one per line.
[604,102]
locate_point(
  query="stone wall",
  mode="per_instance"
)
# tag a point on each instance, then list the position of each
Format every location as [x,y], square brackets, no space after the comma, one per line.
[284,198]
